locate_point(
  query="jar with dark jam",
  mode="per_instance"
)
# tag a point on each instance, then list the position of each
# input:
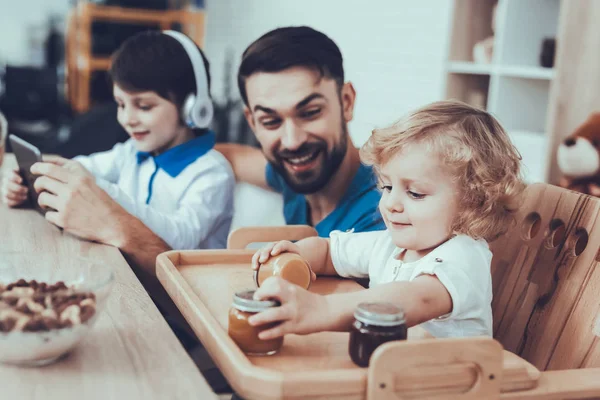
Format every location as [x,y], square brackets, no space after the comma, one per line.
[374,324]
[246,335]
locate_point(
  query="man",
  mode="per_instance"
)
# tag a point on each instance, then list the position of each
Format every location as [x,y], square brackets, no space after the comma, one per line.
[298,105]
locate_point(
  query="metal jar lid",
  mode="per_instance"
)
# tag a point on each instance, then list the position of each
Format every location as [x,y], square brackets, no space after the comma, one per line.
[244,301]
[379,314]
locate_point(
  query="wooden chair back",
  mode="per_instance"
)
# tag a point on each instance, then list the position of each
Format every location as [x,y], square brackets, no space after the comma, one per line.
[546,280]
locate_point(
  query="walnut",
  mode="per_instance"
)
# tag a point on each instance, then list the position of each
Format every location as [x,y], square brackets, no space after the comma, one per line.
[7,325]
[28,306]
[48,301]
[71,313]
[88,309]
[88,302]
[11,301]
[16,319]
[19,283]
[40,323]
[9,313]
[48,313]
[18,292]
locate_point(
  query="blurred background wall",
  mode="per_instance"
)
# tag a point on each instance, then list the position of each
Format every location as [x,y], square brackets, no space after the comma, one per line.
[532,63]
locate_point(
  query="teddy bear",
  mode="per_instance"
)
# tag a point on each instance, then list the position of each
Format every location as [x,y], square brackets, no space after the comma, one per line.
[578,158]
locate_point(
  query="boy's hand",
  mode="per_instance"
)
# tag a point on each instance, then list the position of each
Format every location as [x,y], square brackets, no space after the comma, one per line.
[301,311]
[276,248]
[14,193]
[78,204]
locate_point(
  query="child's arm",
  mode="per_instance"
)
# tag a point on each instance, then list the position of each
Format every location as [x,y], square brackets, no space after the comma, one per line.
[303,312]
[345,254]
[14,193]
[315,250]
[207,202]
[421,299]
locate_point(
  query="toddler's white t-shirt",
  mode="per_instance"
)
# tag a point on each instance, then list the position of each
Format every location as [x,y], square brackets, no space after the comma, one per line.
[462,264]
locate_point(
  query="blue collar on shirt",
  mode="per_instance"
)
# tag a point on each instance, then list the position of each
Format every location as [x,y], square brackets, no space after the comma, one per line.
[174,160]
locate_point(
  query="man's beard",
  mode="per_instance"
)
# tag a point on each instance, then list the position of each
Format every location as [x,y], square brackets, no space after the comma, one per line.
[315,179]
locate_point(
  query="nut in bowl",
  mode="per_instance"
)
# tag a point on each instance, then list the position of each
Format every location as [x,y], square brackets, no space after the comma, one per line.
[47,309]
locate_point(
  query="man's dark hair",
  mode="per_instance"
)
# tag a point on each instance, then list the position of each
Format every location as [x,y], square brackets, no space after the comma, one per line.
[296,46]
[153,61]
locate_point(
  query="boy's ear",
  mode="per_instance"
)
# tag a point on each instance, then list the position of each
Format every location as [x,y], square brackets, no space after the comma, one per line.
[249,118]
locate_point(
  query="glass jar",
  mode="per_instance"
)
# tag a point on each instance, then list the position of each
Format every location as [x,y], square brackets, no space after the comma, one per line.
[246,335]
[374,324]
[289,266]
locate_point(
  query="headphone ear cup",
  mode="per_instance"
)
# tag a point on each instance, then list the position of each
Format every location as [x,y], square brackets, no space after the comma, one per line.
[203,113]
[187,111]
[197,113]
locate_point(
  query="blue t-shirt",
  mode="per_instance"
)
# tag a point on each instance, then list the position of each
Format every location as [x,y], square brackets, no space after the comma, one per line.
[357,209]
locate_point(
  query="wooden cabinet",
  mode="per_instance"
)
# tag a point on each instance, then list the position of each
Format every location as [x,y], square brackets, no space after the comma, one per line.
[81,63]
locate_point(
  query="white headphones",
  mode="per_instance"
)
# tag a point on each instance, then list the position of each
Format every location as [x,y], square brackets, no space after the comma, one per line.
[197,110]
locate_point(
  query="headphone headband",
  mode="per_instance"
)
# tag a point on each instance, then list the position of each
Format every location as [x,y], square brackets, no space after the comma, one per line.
[197,111]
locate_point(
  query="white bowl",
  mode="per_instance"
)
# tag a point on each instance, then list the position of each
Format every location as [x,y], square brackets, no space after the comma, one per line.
[84,274]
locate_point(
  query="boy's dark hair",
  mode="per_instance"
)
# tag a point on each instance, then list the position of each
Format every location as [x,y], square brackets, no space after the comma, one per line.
[153,61]
[289,47]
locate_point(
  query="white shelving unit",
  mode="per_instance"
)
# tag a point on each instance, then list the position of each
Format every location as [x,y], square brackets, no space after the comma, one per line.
[467,67]
[514,87]
[518,71]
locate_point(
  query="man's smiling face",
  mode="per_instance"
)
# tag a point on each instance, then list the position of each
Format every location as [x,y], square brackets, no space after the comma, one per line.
[298,118]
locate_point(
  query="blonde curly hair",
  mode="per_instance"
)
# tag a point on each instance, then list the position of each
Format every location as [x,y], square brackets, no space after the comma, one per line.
[476,150]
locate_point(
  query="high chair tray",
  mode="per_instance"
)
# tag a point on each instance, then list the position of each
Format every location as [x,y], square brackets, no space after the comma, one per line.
[202,284]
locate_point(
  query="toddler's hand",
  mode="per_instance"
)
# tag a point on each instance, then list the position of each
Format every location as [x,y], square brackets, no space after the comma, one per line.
[273,249]
[300,312]
[14,193]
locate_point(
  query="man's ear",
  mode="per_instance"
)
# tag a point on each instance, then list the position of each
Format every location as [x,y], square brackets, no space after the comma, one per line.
[249,118]
[348,97]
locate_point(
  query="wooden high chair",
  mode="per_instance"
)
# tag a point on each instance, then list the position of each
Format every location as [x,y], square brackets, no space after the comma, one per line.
[546,319]
[546,305]
[546,283]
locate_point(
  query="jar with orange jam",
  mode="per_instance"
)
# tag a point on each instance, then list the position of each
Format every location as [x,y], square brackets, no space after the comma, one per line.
[289,266]
[246,335]
[374,324]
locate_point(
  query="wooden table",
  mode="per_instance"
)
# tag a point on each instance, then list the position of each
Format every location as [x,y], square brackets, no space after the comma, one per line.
[131,353]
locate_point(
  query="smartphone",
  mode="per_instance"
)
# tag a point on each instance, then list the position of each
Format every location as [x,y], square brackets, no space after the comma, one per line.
[27,155]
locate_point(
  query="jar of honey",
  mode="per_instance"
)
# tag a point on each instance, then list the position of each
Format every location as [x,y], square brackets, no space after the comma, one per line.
[374,324]
[246,335]
[289,266]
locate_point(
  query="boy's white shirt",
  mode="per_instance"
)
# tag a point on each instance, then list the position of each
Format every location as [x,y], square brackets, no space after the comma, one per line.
[462,264]
[192,210]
